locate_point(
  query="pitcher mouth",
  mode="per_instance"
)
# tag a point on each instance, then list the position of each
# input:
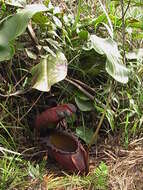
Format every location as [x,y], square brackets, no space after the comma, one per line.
[66,150]
[62,142]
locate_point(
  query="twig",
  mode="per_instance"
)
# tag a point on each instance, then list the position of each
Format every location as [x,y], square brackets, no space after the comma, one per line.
[33,36]
[84,92]
[84,85]
[34,154]
[94,137]
[31,106]
[127,8]
[80,88]
[110,154]
[17,93]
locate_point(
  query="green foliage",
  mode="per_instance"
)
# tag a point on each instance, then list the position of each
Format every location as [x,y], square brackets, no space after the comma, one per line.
[96,180]
[73,37]
[87,41]
[84,105]
[13,26]
[84,133]
[114,65]
[49,71]
[12,172]
[101,176]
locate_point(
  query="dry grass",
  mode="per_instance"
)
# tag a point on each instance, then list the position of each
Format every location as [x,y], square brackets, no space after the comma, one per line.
[126,166]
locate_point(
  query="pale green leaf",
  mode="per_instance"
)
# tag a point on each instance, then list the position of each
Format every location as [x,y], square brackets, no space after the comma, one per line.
[49,71]
[84,105]
[14,26]
[84,133]
[109,48]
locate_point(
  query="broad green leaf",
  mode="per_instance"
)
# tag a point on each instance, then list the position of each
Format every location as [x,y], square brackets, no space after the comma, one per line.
[84,105]
[84,133]
[14,26]
[6,52]
[49,71]
[114,65]
[81,95]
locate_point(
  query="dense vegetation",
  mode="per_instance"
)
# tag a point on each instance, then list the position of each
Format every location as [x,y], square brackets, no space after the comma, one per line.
[88,53]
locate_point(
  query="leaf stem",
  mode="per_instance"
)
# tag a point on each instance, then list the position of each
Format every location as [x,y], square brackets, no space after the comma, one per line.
[91,97]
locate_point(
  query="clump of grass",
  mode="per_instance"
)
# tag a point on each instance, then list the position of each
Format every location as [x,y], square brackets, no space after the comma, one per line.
[12,172]
[97,180]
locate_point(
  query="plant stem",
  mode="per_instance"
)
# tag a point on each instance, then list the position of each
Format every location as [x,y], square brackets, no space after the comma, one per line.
[78,15]
[94,137]
[84,91]
[108,18]
[33,36]
[123,29]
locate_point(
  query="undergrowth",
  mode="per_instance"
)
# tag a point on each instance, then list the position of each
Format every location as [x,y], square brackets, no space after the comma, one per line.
[68,27]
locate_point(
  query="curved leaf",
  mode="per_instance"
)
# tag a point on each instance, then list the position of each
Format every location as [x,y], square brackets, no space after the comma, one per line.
[85,134]
[14,26]
[84,105]
[114,64]
[49,71]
